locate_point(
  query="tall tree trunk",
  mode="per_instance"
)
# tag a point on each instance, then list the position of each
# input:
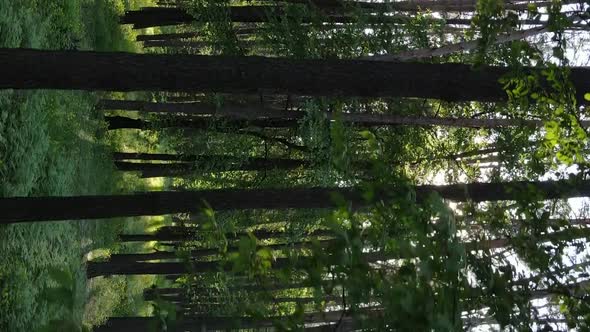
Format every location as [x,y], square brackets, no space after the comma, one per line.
[32,209]
[128,324]
[200,253]
[208,323]
[240,31]
[148,17]
[168,36]
[411,5]
[200,123]
[29,69]
[174,233]
[122,156]
[95,269]
[256,112]
[453,48]
[152,170]
[265,115]
[196,44]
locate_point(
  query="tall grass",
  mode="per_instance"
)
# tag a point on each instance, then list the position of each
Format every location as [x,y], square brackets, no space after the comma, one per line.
[52,143]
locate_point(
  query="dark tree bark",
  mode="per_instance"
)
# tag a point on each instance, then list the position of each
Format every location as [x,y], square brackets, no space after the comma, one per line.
[175,233]
[411,5]
[200,253]
[200,123]
[246,44]
[161,16]
[151,170]
[168,36]
[95,269]
[31,209]
[148,17]
[263,115]
[208,323]
[121,156]
[30,69]
[240,31]
[127,324]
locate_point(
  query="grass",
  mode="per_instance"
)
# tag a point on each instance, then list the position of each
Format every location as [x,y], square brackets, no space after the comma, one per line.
[52,143]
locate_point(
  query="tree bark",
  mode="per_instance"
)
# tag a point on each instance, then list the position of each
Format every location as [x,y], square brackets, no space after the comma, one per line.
[176,233]
[199,109]
[453,48]
[208,323]
[30,69]
[282,117]
[200,253]
[196,44]
[168,36]
[148,17]
[411,5]
[35,209]
[95,269]
[200,123]
[153,170]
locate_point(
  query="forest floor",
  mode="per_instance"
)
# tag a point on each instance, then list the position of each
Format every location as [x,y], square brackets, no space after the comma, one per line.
[55,143]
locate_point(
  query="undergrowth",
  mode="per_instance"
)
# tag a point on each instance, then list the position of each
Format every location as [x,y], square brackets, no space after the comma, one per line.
[53,143]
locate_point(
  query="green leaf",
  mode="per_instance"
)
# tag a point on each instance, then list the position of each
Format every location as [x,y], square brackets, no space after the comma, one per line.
[587,96]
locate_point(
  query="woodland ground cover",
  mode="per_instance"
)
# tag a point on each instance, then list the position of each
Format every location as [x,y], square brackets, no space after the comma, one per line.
[307,190]
[54,143]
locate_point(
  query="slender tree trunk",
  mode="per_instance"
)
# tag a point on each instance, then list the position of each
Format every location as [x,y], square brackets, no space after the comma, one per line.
[29,69]
[95,269]
[240,31]
[200,123]
[265,115]
[122,156]
[196,44]
[410,6]
[200,253]
[200,109]
[32,209]
[168,36]
[151,170]
[174,233]
[457,47]
[148,17]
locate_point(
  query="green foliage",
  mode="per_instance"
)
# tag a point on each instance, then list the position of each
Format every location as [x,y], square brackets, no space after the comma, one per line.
[51,144]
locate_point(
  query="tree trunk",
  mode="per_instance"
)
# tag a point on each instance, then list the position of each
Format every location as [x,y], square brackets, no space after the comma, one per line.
[410,6]
[199,123]
[199,109]
[148,17]
[128,324]
[175,233]
[30,69]
[121,156]
[196,44]
[95,269]
[208,323]
[34,209]
[188,35]
[262,116]
[168,36]
[151,170]
[412,55]
[200,253]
